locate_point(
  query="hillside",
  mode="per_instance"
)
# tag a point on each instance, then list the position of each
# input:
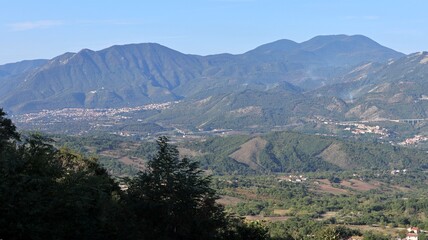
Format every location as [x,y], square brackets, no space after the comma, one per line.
[12,72]
[294,152]
[137,74]
[277,152]
[395,90]
[251,108]
[118,76]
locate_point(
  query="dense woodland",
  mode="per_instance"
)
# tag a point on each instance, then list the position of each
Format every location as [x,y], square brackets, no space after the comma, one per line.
[48,192]
[282,152]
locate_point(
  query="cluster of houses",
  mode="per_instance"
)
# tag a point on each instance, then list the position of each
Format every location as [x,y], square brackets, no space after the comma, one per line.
[293,178]
[88,113]
[414,140]
[359,128]
[398,172]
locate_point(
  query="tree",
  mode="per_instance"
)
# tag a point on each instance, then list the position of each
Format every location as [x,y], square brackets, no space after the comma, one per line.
[7,131]
[328,233]
[374,236]
[237,229]
[173,199]
[47,193]
[337,232]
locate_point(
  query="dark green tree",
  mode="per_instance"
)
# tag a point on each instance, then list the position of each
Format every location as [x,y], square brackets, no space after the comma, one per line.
[173,199]
[374,236]
[328,233]
[7,128]
[47,193]
[237,229]
[337,232]
[8,134]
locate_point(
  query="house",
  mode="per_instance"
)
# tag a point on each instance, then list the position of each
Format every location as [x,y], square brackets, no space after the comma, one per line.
[413,230]
[412,236]
[412,233]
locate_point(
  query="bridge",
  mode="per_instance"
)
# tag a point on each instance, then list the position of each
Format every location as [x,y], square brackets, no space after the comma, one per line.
[413,121]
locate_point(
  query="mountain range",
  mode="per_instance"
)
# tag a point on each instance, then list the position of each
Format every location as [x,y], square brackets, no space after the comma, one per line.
[279,83]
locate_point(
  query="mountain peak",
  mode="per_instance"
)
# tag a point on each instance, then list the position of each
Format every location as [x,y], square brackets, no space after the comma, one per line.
[326,40]
[136,74]
[139,46]
[280,45]
[353,49]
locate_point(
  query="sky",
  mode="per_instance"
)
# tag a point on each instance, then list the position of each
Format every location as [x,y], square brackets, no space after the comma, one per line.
[43,29]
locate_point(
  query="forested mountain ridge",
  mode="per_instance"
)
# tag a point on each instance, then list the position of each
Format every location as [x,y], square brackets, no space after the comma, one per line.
[276,152]
[136,74]
[294,152]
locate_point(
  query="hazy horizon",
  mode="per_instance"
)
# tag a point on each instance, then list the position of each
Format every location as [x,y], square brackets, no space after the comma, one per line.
[43,30]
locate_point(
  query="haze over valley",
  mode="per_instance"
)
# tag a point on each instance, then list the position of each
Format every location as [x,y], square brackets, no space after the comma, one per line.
[323,85]
[214,120]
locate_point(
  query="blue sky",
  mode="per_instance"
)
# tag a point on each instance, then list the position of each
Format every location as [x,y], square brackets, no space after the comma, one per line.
[44,28]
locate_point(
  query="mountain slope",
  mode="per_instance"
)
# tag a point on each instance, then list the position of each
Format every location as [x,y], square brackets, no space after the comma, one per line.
[352,50]
[118,76]
[396,90]
[20,67]
[137,74]
[294,152]
[311,64]
[250,108]
[12,72]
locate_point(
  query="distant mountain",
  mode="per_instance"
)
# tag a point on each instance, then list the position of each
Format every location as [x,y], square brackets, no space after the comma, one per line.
[393,90]
[321,60]
[350,50]
[20,67]
[11,73]
[331,50]
[118,76]
[137,74]
[251,108]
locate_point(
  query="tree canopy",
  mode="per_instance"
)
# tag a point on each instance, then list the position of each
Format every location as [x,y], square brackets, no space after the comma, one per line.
[51,193]
[174,199]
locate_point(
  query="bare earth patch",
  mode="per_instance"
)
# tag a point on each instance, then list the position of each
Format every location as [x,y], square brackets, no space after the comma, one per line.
[131,161]
[228,200]
[185,152]
[251,195]
[327,215]
[401,189]
[335,155]
[268,219]
[281,212]
[249,152]
[110,153]
[358,185]
[325,186]
[136,162]
[384,230]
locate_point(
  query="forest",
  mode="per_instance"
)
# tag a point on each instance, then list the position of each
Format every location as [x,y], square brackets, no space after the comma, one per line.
[51,192]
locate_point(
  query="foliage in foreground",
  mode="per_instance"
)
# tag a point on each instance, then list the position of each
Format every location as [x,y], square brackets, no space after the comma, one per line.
[49,193]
